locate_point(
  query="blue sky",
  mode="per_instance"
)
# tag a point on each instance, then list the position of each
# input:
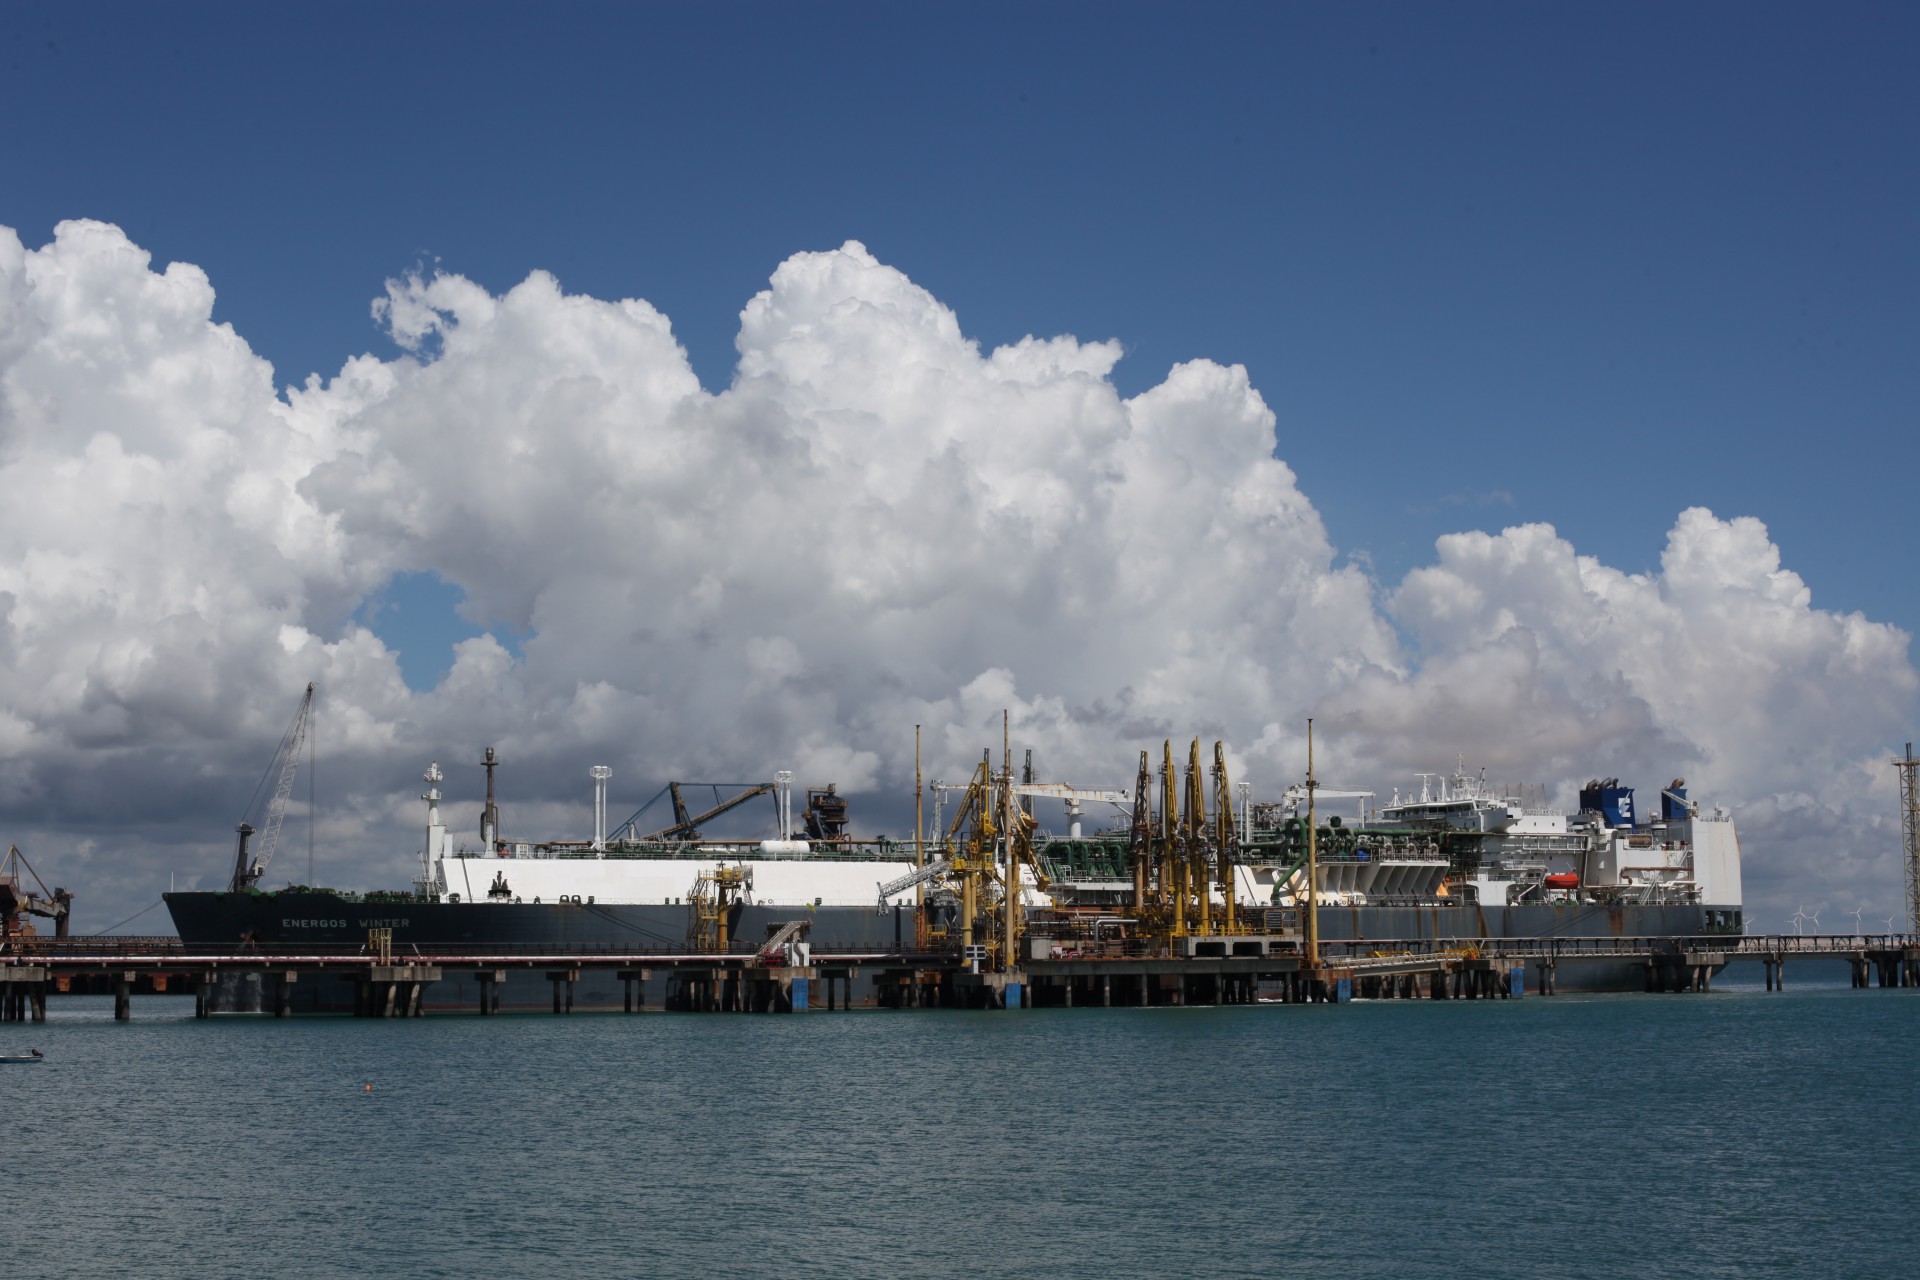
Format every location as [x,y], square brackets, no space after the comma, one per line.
[1488,263]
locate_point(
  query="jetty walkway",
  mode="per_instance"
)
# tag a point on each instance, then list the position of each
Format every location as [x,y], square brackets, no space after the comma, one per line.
[396,983]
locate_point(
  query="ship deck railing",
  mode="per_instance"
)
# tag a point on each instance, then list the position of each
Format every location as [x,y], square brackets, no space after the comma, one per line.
[104,945]
[1553,948]
[27,949]
[707,850]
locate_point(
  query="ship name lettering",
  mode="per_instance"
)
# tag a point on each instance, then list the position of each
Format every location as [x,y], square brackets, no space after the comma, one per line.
[323,922]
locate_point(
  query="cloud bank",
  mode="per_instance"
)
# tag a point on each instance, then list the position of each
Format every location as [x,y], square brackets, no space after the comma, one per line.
[877,524]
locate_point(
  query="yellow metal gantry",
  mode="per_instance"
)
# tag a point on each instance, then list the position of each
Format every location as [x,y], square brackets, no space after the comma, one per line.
[1226,840]
[1193,831]
[1184,854]
[988,843]
[1173,879]
[711,903]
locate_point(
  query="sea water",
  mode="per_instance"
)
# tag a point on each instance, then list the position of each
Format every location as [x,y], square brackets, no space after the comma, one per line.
[1735,1133]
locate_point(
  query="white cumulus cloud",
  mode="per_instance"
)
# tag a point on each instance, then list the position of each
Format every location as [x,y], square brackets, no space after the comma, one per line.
[877,524]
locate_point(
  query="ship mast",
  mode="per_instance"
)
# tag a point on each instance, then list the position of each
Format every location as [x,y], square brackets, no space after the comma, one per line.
[1909,768]
[1010,944]
[1313,863]
[490,816]
[919,849]
[436,831]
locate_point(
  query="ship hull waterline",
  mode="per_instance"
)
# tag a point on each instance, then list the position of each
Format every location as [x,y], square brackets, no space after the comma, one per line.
[304,923]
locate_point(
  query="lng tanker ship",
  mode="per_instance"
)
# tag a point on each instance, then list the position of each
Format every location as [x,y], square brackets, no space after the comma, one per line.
[1454,862]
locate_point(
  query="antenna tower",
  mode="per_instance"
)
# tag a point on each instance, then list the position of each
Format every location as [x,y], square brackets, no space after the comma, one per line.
[1909,767]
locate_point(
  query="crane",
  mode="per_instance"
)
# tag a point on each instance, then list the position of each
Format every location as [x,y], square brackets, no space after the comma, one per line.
[1296,795]
[247,873]
[682,821]
[1073,797]
[17,900]
[686,825]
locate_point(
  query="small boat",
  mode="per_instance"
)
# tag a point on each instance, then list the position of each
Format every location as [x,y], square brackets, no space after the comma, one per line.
[1564,880]
[31,1055]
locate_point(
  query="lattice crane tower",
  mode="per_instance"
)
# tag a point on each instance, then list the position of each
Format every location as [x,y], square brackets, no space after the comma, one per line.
[1909,767]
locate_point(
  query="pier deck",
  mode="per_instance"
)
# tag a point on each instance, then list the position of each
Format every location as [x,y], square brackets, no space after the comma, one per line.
[396,985]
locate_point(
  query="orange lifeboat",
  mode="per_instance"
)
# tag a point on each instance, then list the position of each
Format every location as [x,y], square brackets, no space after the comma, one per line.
[1564,880]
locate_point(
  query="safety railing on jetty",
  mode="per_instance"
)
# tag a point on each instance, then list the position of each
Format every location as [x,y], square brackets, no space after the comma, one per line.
[1825,943]
[105,946]
[33,949]
[1750,946]
[1357,951]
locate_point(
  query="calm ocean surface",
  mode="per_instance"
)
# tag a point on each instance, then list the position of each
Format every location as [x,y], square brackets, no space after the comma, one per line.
[1731,1134]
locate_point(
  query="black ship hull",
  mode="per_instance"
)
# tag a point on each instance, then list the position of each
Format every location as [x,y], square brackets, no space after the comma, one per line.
[293,922]
[296,922]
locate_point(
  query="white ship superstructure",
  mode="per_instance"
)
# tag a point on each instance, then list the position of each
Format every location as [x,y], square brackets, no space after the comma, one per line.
[1518,855]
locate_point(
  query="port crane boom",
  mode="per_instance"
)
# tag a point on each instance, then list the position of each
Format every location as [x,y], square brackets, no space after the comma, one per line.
[686,826]
[17,900]
[247,873]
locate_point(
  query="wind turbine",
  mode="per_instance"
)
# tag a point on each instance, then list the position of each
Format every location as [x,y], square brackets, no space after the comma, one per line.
[1858,928]
[1799,919]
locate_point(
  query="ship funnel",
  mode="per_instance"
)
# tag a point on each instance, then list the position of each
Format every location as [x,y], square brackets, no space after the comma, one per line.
[1613,802]
[1674,805]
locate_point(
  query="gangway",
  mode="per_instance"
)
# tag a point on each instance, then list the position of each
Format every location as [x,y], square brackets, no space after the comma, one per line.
[776,946]
[918,876]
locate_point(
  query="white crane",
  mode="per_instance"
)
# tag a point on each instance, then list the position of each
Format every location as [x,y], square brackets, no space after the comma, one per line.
[1295,796]
[1073,797]
[247,874]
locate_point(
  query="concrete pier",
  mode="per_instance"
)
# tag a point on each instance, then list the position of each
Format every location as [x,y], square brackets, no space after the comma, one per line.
[389,990]
[490,980]
[632,987]
[23,993]
[1005,990]
[1057,974]
[563,981]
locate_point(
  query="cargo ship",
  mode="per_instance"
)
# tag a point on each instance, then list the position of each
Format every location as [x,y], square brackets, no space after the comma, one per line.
[1453,863]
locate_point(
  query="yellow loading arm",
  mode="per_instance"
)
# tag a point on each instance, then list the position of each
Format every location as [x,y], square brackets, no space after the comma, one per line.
[1226,839]
[1194,835]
